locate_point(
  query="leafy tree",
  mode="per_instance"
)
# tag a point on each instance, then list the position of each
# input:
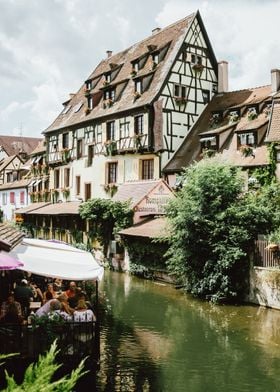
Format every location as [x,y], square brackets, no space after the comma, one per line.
[38,376]
[106,218]
[213,226]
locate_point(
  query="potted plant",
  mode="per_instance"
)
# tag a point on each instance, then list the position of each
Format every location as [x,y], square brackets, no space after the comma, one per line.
[197,67]
[246,150]
[66,193]
[252,114]
[180,100]
[133,73]
[233,117]
[87,110]
[137,95]
[65,154]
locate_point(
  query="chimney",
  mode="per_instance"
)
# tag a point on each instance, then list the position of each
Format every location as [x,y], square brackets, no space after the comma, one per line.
[275,80]
[156,30]
[222,77]
[109,53]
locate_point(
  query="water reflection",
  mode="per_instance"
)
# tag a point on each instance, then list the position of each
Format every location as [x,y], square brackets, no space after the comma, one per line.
[155,338]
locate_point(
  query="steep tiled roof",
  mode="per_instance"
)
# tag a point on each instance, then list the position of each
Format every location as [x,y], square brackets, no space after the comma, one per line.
[67,208]
[5,162]
[31,207]
[274,128]
[153,228]
[9,237]
[171,37]
[13,145]
[41,148]
[135,191]
[190,149]
[15,184]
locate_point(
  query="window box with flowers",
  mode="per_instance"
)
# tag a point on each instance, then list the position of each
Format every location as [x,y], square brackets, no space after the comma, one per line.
[233,117]
[133,73]
[87,110]
[215,120]
[46,195]
[106,83]
[87,91]
[252,114]
[45,169]
[180,100]
[110,148]
[107,103]
[111,189]
[65,155]
[246,150]
[54,195]
[66,193]
[137,142]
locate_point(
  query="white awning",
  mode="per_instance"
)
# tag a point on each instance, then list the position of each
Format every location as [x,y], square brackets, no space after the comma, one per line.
[208,139]
[37,182]
[56,260]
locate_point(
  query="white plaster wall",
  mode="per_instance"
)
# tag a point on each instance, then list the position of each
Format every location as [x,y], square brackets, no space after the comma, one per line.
[8,209]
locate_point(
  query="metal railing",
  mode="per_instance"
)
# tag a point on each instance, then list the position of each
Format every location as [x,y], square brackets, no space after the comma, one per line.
[264,256]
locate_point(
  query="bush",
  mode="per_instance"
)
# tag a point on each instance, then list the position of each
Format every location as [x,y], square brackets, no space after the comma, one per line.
[213,226]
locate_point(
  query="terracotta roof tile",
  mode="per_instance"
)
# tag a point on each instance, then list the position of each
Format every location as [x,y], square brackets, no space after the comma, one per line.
[190,149]
[13,145]
[172,35]
[9,237]
[274,128]
[16,184]
[31,207]
[66,208]
[41,148]
[135,191]
[153,228]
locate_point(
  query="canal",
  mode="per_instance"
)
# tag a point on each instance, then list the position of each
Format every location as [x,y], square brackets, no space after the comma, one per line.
[155,338]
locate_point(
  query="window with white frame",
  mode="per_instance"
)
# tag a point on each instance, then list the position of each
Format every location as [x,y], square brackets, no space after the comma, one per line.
[124,129]
[246,138]
[4,199]
[139,124]
[180,91]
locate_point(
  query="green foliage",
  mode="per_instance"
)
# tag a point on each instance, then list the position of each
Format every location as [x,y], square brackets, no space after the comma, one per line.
[266,175]
[146,253]
[213,225]
[106,217]
[50,326]
[38,376]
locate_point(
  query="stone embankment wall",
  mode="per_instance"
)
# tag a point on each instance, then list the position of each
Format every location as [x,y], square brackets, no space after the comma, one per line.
[265,287]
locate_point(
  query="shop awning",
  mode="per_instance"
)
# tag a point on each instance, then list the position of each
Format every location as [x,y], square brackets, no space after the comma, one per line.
[56,260]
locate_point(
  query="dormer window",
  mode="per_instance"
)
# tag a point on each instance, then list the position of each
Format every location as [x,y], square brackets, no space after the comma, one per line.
[180,93]
[135,66]
[252,113]
[155,58]
[88,85]
[138,86]
[208,143]
[109,94]
[90,102]
[246,139]
[233,116]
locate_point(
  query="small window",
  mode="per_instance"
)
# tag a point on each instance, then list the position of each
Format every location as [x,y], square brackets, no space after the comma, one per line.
[206,96]
[124,130]
[156,58]
[180,91]
[56,178]
[112,169]
[147,169]
[108,77]
[90,154]
[110,94]
[12,197]
[65,140]
[67,177]
[78,185]
[80,148]
[66,109]
[87,191]
[246,139]
[4,199]
[110,130]
[208,143]
[135,66]
[21,196]
[138,86]
[88,84]
[9,177]
[195,59]
[90,102]
[138,124]
[78,107]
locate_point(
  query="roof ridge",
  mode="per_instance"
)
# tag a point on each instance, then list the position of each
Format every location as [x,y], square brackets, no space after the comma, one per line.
[245,89]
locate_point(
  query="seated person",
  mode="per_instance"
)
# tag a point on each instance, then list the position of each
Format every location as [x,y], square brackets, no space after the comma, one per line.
[49,293]
[82,313]
[23,295]
[10,300]
[62,298]
[71,292]
[12,315]
[44,310]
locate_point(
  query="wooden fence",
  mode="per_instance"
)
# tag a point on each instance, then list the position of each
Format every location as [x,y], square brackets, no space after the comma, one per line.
[265,257]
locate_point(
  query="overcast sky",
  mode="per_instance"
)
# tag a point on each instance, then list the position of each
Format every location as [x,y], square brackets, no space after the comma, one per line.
[49,47]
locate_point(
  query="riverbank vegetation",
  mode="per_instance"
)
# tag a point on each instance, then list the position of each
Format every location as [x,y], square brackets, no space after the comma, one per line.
[213,225]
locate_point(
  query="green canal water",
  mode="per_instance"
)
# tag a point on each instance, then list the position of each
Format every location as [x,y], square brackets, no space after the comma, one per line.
[155,338]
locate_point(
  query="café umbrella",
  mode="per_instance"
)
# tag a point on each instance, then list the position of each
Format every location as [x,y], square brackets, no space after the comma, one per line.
[56,260]
[8,262]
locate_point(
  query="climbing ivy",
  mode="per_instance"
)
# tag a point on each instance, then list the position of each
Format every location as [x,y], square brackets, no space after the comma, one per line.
[266,175]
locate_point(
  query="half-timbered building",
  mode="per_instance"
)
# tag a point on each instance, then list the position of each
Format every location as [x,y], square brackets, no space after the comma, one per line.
[132,113]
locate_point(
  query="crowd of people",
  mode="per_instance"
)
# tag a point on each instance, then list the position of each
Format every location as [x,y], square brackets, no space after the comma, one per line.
[57,298]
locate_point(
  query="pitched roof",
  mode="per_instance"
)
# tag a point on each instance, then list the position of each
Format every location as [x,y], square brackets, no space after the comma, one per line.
[14,145]
[153,228]
[9,237]
[65,208]
[16,184]
[190,149]
[135,191]
[6,161]
[31,207]
[40,148]
[171,37]
[274,126]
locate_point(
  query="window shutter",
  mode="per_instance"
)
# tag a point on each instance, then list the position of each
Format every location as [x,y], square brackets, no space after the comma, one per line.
[22,197]
[12,197]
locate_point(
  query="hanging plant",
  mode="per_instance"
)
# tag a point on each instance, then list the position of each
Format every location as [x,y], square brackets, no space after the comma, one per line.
[110,148]
[246,150]
[66,193]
